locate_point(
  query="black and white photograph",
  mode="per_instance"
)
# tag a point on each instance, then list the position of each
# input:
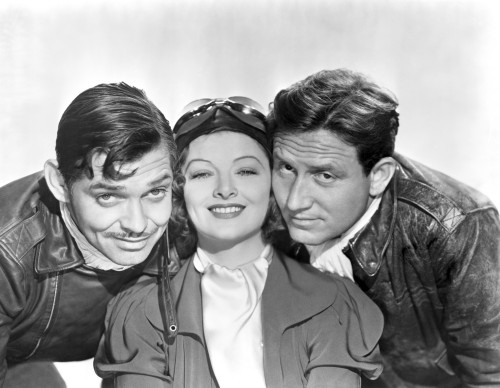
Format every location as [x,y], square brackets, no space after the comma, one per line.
[265,193]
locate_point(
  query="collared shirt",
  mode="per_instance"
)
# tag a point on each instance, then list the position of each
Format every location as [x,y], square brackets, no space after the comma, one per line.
[329,256]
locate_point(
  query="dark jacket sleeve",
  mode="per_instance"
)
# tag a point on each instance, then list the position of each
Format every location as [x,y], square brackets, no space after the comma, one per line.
[338,360]
[12,303]
[468,278]
[131,349]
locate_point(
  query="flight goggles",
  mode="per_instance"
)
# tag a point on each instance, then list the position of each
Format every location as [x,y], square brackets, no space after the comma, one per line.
[239,114]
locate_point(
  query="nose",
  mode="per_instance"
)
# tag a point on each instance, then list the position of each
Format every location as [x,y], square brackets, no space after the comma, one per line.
[134,220]
[299,196]
[225,188]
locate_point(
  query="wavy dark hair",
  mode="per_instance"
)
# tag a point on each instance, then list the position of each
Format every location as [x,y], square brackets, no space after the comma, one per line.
[344,102]
[116,119]
[181,229]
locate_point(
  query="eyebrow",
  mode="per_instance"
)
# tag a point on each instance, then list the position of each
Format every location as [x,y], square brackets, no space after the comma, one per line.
[106,186]
[161,179]
[312,167]
[195,160]
[235,160]
[324,167]
[116,187]
[249,157]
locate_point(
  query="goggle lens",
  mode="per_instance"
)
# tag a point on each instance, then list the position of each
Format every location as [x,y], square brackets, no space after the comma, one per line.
[244,109]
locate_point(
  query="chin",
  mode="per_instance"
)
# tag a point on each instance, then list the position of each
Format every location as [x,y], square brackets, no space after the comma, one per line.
[306,237]
[128,259]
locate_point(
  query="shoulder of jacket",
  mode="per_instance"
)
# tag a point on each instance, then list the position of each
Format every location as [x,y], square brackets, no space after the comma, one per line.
[306,278]
[23,208]
[137,295]
[19,201]
[23,235]
[438,195]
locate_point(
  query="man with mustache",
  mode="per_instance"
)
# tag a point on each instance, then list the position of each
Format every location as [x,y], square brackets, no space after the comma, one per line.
[422,245]
[72,236]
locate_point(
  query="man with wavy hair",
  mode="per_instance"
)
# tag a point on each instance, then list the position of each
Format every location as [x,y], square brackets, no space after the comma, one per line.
[422,245]
[73,235]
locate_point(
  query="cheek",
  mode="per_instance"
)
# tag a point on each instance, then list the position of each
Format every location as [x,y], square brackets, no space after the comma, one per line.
[95,218]
[258,188]
[193,197]
[261,196]
[160,213]
[345,206]
[280,187]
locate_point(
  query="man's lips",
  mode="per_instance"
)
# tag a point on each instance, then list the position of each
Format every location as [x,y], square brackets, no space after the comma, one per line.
[301,222]
[132,244]
[229,210]
[132,239]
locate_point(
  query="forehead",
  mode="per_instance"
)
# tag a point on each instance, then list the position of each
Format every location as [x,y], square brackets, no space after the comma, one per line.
[225,145]
[152,165]
[317,145]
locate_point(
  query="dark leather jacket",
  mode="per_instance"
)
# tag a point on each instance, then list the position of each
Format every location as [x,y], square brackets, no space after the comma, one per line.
[430,259]
[52,307]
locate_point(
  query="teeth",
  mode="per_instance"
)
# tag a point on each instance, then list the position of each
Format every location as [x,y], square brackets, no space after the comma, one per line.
[232,209]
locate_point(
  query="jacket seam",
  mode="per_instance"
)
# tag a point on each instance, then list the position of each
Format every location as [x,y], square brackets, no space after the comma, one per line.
[14,249]
[20,270]
[49,322]
[465,215]
[432,215]
[10,225]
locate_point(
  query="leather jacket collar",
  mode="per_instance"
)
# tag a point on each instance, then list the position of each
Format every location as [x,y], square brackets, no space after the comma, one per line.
[368,247]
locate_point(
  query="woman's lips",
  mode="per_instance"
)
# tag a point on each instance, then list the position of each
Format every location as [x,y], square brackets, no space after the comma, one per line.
[226,211]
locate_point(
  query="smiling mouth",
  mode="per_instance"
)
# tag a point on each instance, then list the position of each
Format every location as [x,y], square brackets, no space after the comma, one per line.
[227,211]
[131,238]
[132,244]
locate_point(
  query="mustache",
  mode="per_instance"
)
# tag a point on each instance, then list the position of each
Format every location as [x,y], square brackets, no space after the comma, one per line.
[122,235]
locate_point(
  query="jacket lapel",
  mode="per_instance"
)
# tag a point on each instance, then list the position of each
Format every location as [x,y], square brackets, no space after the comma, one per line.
[57,251]
[293,293]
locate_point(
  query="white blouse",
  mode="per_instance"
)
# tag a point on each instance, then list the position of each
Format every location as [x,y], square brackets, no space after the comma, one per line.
[232,318]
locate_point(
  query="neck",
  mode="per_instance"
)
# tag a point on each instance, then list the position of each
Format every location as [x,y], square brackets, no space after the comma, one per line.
[232,254]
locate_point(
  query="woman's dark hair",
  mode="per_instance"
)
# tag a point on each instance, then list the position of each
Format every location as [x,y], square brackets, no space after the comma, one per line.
[116,119]
[348,104]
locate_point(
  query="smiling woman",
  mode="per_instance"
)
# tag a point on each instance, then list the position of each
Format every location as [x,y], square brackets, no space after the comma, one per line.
[227,194]
[239,300]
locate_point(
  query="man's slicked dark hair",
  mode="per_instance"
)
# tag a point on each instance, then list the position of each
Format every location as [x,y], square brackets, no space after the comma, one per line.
[116,119]
[358,111]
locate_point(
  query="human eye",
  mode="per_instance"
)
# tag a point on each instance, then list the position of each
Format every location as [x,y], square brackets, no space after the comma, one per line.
[106,199]
[158,193]
[247,172]
[201,174]
[284,168]
[325,177]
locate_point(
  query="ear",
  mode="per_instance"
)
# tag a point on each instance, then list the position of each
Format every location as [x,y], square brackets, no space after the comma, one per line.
[380,175]
[55,181]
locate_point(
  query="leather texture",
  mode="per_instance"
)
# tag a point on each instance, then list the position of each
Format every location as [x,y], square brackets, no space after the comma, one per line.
[430,259]
[52,308]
